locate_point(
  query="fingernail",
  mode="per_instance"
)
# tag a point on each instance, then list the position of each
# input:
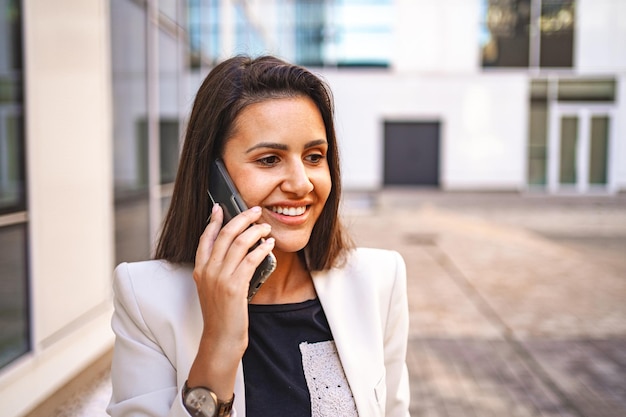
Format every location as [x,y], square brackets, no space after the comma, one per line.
[214,208]
[270,241]
[256,209]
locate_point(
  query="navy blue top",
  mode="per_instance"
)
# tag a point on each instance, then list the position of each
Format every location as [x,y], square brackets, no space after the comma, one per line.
[272,364]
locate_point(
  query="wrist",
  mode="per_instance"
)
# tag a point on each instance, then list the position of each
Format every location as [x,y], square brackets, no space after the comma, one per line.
[214,370]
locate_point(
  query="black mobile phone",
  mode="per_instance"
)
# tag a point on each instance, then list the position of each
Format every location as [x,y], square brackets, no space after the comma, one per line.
[222,190]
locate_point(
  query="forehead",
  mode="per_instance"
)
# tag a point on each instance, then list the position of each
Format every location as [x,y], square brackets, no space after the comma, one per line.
[298,113]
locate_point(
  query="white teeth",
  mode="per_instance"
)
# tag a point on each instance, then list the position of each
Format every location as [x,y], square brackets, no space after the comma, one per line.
[289,211]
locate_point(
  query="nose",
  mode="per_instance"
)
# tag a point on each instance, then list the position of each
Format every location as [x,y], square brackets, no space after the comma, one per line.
[297,180]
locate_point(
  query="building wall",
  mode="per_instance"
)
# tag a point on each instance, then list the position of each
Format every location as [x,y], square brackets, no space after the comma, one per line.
[436,36]
[483,118]
[600,27]
[68,128]
[436,75]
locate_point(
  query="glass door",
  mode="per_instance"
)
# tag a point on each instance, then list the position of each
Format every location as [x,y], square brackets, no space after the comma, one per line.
[579,148]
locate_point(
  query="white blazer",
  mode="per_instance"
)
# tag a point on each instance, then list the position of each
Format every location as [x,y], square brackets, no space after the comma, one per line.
[158,323]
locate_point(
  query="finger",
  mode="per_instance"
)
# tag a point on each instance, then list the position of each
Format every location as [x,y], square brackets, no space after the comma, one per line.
[207,239]
[234,228]
[254,258]
[239,248]
[241,221]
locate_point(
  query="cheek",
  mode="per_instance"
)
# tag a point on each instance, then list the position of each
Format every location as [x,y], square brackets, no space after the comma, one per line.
[322,185]
[252,187]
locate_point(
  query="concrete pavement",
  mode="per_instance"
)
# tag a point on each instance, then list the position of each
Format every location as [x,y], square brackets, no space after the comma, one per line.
[517,302]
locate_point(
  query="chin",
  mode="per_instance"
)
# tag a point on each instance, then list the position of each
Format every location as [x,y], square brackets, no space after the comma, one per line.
[290,247]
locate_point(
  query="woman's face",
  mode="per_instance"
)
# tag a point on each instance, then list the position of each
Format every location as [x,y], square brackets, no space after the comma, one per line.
[277,159]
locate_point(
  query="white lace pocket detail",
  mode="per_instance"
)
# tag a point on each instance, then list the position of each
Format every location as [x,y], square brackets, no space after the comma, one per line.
[331,395]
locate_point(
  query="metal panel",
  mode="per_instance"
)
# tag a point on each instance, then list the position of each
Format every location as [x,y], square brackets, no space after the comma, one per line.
[412,153]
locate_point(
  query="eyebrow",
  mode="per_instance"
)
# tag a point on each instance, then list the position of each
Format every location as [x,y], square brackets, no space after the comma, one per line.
[283,147]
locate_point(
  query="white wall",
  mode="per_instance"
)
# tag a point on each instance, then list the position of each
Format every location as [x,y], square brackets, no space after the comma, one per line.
[484,124]
[600,34]
[436,36]
[68,136]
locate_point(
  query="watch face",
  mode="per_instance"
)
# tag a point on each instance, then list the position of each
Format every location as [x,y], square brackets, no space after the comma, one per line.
[201,402]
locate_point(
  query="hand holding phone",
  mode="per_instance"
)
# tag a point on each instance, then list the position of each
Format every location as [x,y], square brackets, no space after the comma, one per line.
[222,190]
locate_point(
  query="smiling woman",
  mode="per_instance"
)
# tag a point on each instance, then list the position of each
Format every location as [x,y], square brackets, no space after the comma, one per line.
[187,339]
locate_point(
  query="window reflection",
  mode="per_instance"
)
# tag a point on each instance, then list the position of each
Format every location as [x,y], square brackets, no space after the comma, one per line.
[522,33]
[14,302]
[14,321]
[12,189]
[130,133]
[170,62]
[308,32]
[506,33]
[599,152]
[569,141]
[556,26]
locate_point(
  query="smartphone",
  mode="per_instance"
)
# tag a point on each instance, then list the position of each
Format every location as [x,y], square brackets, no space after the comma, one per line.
[222,190]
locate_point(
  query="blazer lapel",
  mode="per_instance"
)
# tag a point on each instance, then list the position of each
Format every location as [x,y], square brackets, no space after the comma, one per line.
[348,309]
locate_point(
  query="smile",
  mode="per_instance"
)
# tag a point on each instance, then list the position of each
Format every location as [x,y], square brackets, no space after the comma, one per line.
[289,211]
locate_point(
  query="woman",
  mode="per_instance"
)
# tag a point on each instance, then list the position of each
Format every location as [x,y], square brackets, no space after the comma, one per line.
[325,335]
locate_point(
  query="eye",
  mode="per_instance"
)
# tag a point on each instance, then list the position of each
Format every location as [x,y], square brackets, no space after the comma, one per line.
[268,161]
[315,158]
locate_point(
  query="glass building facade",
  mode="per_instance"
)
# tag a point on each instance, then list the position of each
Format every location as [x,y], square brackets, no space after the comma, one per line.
[14,299]
[160,51]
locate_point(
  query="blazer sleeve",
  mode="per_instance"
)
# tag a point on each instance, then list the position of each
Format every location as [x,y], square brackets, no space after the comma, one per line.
[143,379]
[395,344]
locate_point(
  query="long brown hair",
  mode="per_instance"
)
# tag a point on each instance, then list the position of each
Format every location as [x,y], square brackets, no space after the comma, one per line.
[225,92]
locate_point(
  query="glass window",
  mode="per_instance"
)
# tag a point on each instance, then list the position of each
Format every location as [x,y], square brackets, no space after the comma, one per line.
[204,31]
[130,132]
[310,22]
[14,301]
[169,65]
[527,33]
[586,90]
[538,133]
[12,187]
[308,32]
[599,152]
[344,32]
[537,148]
[360,33]
[14,322]
[556,28]
[505,33]
[569,145]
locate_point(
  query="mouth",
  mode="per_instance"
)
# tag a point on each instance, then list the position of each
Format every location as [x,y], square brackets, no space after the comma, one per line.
[289,211]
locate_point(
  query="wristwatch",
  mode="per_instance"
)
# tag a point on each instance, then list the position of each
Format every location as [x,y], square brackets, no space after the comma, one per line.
[202,402]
